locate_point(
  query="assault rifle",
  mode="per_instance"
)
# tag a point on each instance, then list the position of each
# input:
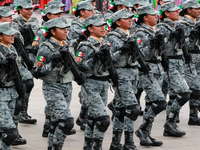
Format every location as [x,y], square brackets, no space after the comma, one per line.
[22,52]
[27,34]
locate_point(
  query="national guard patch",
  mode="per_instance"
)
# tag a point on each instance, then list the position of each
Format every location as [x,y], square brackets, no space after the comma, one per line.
[39,64]
[41,58]
[139,40]
[78,59]
[79,54]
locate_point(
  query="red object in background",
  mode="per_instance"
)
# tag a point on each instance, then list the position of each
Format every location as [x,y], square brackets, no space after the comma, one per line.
[2,3]
[43,3]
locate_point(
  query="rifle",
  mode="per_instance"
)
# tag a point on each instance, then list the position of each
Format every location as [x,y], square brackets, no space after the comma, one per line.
[14,74]
[27,34]
[69,64]
[158,43]
[108,66]
[180,38]
[22,52]
[195,34]
[137,55]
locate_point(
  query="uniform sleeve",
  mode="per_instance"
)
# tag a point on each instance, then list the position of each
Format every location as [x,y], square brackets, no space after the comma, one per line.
[115,44]
[43,59]
[84,58]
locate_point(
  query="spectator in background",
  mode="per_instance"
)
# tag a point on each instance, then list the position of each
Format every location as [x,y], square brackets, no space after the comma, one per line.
[68,5]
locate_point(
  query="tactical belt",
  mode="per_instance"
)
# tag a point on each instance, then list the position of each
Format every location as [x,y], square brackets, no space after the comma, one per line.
[104,78]
[175,57]
[128,66]
[153,61]
[195,51]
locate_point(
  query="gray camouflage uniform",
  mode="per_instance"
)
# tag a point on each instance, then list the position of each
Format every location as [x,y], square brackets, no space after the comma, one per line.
[57,89]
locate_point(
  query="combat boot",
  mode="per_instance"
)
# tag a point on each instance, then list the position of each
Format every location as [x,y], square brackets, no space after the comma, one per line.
[155,142]
[194,122]
[115,145]
[98,144]
[19,141]
[144,137]
[129,144]
[171,129]
[25,118]
[49,148]
[88,144]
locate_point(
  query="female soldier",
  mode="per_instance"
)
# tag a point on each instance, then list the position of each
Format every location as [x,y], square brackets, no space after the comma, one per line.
[191,13]
[9,94]
[155,100]
[57,88]
[25,11]
[126,105]
[95,93]
[174,76]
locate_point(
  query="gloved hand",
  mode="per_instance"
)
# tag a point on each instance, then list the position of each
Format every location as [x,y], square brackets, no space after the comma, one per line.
[173,35]
[125,48]
[81,38]
[56,59]
[97,56]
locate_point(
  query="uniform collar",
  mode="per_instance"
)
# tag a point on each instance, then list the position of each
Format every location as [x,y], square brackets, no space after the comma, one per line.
[61,43]
[169,22]
[122,33]
[127,32]
[190,21]
[27,20]
[8,46]
[148,28]
[94,41]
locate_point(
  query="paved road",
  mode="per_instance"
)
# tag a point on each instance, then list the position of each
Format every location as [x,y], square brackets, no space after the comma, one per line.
[35,141]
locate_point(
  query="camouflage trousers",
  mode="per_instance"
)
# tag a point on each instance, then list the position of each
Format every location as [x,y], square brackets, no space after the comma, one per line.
[7,118]
[193,82]
[57,97]
[154,94]
[175,82]
[95,99]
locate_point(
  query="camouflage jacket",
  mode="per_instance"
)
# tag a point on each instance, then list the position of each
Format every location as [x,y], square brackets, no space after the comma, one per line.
[144,34]
[47,50]
[84,57]
[118,38]
[167,27]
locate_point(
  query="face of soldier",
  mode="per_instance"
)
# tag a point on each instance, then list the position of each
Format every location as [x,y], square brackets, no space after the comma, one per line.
[7,39]
[97,31]
[86,13]
[7,19]
[52,16]
[172,15]
[26,13]
[93,3]
[122,7]
[124,23]
[150,20]
[60,34]
[194,12]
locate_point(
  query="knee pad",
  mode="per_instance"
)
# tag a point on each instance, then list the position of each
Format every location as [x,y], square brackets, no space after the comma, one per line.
[12,135]
[133,111]
[157,107]
[184,98]
[120,113]
[53,126]
[29,85]
[66,125]
[195,94]
[104,123]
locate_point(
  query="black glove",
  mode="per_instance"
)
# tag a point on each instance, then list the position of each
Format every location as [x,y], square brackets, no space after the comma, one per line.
[11,56]
[56,59]
[173,35]
[81,38]
[154,43]
[125,48]
[97,56]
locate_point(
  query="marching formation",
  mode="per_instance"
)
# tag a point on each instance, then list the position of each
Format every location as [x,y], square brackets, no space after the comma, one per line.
[132,48]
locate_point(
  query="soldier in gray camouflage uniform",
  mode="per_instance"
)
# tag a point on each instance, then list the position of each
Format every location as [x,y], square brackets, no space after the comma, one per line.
[6,16]
[57,88]
[155,99]
[57,2]
[126,105]
[191,12]
[9,95]
[25,8]
[95,93]
[174,77]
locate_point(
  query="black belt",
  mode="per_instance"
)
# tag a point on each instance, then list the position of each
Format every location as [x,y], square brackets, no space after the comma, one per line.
[153,61]
[128,66]
[195,51]
[175,57]
[104,78]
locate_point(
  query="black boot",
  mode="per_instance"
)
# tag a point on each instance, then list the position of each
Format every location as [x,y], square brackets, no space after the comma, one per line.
[88,144]
[82,119]
[56,147]
[49,148]
[129,144]
[115,145]
[25,118]
[19,141]
[144,137]
[97,144]
[46,127]
[171,128]
[155,142]
[194,122]
[177,118]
